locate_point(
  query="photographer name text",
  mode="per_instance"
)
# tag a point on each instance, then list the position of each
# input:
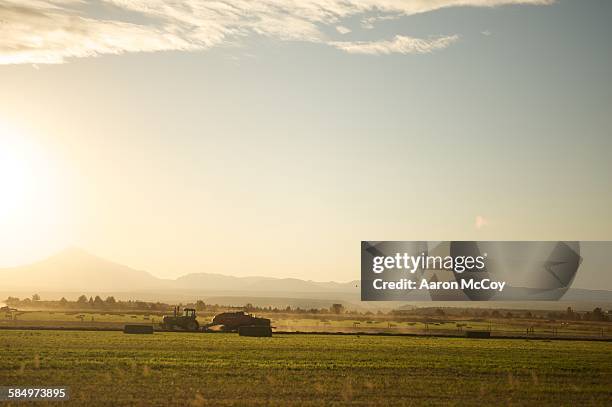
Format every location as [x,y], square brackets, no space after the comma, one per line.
[423,284]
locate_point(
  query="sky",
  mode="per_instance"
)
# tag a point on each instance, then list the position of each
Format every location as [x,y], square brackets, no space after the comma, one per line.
[271,137]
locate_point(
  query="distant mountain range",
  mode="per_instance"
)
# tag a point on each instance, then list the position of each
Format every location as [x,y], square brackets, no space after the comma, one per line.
[75,270]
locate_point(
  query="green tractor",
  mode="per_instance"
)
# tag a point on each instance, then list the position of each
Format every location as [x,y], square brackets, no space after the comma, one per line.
[186,321]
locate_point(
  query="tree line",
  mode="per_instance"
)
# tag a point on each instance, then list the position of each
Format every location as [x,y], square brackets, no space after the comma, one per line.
[110,303]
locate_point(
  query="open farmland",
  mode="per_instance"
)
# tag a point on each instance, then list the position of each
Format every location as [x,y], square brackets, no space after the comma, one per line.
[327,323]
[224,369]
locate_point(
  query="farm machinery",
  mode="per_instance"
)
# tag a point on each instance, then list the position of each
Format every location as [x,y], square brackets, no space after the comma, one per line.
[186,321]
[241,322]
[233,321]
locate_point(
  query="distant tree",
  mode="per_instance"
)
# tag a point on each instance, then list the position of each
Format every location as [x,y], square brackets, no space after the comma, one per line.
[91,301]
[12,301]
[337,308]
[110,300]
[440,312]
[82,299]
[598,315]
[200,305]
[36,297]
[496,314]
[158,306]
[98,302]
[63,302]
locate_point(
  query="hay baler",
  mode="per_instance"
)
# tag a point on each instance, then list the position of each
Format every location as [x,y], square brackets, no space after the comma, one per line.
[233,321]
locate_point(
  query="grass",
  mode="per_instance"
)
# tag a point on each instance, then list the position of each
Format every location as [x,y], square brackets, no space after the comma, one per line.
[318,323]
[111,368]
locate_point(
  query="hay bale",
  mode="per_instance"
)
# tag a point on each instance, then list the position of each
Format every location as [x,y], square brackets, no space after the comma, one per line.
[478,334]
[259,331]
[138,329]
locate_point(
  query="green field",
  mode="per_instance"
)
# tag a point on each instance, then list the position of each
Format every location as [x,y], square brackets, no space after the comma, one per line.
[111,368]
[326,323]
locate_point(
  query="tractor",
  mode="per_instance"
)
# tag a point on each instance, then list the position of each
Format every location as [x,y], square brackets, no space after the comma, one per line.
[233,321]
[187,321]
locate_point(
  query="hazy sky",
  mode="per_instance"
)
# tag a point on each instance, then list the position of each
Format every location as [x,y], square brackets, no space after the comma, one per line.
[267,138]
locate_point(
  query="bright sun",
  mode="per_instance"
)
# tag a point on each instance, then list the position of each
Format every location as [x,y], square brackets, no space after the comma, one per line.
[32,207]
[27,183]
[18,166]
[15,172]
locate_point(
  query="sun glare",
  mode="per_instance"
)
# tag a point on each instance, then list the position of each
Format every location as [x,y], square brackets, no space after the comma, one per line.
[15,176]
[26,177]
[32,207]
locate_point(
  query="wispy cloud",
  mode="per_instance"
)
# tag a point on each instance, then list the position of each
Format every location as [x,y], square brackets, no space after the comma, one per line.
[342,29]
[51,31]
[45,33]
[399,45]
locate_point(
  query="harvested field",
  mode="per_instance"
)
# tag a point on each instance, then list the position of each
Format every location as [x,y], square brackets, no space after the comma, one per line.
[226,369]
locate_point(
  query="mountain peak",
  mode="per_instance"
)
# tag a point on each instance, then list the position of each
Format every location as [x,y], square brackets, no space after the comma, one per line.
[74,269]
[75,255]
[73,251]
